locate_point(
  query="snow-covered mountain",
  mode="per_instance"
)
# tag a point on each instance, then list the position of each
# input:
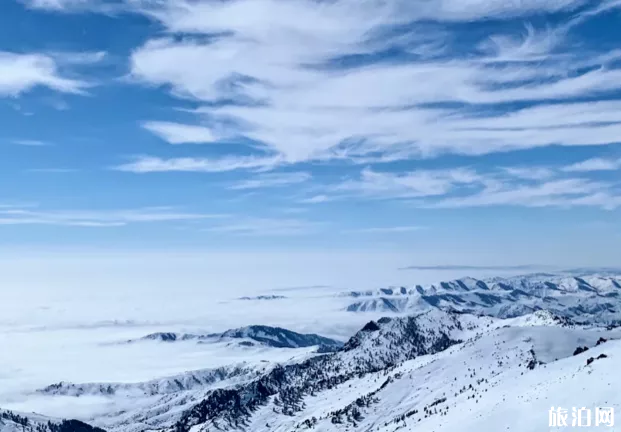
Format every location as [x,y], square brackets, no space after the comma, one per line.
[156,403]
[395,373]
[468,355]
[264,297]
[16,422]
[375,347]
[588,298]
[169,385]
[247,336]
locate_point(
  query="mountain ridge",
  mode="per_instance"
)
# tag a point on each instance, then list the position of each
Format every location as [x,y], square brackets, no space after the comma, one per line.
[393,370]
[276,337]
[593,298]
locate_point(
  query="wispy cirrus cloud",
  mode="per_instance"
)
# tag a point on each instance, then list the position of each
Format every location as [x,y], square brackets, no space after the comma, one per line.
[18,215]
[317,199]
[533,45]
[444,10]
[57,4]
[31,143]
[70,6]
[316,104]
[270,180]
[268,227]
[149,164]
[595,164]
[530,173]
[176,133]
[20,73]
[379,82]
[422,183]
[563,192]
[84,58]
[538,186]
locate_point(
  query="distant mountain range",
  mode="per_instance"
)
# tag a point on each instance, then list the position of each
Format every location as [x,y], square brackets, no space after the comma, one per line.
[264,297]
[163,386]
[275,337]
[589,298]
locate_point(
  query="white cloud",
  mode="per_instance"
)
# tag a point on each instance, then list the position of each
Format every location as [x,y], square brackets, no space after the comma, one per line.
[315,113]
[423,183]
[595,164]
[20,73]
[56,4]
[79,58]
[177,133]
[558,193]
[259,15]
[31,143]
[530,173]
[305,106]
[454,10]
[15,215]
[272,180]
[532,46]
[605,200]
[316,199]
[465,187]
[148,164]
[101,6]
[267,227]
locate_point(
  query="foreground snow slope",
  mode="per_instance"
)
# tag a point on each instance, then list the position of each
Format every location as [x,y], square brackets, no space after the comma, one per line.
[433,371]
[484,380]
[418,369]
[521,402]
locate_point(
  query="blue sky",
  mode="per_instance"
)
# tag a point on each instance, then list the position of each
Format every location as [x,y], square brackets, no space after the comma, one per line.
[481,131]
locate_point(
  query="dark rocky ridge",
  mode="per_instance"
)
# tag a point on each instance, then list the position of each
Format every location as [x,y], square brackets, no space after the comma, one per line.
[375,347]
[27,424]
[270,336]
[162,386]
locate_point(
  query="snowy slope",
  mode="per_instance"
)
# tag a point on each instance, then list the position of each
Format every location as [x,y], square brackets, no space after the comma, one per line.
[440,370]
[482,370]
[521,402]
[465,382]
[388,370]
[375,347]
